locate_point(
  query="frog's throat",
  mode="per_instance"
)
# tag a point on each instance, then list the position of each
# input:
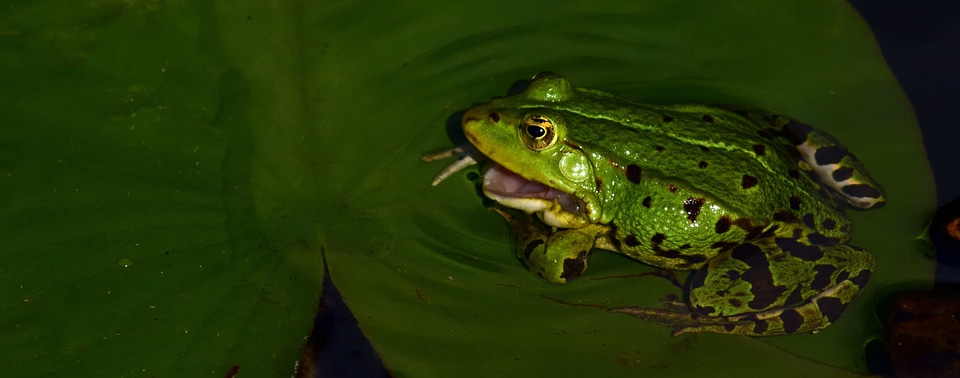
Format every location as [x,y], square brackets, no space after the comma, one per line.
[554,207]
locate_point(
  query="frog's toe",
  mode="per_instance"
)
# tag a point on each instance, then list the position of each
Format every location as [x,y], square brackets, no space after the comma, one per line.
[675,305]
[670,316]
[465,155]
[682,320]
[556,258]
[688,322]
[724,326]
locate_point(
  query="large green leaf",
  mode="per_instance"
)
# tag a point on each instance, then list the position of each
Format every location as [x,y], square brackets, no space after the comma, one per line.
[146,223]
[173,170]
[436,287]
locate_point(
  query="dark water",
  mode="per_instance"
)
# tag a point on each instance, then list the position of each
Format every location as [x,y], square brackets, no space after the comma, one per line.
[920,42]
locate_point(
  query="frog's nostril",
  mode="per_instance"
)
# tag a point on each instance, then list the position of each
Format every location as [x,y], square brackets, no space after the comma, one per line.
[495,117]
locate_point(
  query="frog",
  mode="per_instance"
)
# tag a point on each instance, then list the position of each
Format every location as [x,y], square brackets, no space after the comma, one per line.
[750,203]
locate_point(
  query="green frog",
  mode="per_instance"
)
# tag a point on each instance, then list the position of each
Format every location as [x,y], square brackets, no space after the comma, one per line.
[752,203]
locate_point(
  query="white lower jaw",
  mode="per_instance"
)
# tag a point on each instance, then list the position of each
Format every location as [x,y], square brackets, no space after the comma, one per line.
[550,212]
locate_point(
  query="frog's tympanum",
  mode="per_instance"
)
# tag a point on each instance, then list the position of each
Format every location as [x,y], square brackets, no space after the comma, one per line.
[751,202]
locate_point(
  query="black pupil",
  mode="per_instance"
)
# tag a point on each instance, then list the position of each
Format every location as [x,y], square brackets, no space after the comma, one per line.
[536,131]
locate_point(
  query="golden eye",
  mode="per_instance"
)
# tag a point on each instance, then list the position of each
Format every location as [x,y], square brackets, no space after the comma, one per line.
[537,132]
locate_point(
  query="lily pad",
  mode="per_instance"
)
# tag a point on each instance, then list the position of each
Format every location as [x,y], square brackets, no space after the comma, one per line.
[140,235]
[437,287]
[173,173]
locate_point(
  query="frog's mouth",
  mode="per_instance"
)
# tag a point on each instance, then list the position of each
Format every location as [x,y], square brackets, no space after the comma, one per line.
[554,207]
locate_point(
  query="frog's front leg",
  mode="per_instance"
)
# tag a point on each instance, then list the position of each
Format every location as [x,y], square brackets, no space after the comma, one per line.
[769,287]
[555,256]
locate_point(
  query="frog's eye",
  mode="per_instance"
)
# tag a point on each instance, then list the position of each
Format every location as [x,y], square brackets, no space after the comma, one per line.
[537,132]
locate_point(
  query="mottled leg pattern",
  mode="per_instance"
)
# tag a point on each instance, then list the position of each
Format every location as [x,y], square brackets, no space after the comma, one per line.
[821,154]
[556,256]
[767,287]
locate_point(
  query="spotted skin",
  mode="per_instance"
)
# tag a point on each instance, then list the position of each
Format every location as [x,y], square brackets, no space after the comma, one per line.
[753,203]
[784,317]
[832,164]
[557,258]
[757,298]
[800,302]
[751,303]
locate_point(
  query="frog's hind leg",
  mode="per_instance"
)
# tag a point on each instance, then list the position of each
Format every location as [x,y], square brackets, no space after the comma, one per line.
[769,287]
[834,165]
[812,315]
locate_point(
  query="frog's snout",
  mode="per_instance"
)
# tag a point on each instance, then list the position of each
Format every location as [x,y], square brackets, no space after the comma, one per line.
[478,115]
[475,121]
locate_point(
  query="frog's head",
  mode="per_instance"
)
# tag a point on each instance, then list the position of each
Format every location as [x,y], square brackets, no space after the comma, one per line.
[536,169]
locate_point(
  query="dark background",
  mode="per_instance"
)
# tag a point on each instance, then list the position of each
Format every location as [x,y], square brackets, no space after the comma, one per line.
[921,43]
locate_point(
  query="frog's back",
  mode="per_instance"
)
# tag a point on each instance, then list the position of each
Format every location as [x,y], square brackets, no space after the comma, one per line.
[698,178]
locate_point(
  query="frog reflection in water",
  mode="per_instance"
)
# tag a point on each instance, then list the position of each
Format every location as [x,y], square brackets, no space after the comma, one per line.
[752,203]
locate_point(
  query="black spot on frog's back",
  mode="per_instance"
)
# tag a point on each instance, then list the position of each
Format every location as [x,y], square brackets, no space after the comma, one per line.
[658,238]
[795,203]
[723,224]
[693,206]
[634,173]
[785,216]
[668,253]
[694,259]
[612,236]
